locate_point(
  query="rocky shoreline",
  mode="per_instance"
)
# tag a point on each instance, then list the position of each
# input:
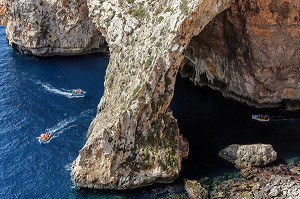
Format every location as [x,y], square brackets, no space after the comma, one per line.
[278,181]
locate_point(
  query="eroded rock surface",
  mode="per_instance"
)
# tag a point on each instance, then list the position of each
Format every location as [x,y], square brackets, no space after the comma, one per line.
[250,52]
[245,156]
[195,190]
[52,27]
[276,182]
[2,13]
[134,140]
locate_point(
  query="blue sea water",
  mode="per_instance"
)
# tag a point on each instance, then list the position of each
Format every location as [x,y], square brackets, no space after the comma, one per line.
[34,98]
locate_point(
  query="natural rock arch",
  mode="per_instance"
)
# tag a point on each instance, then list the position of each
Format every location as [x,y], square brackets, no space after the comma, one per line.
[134,139]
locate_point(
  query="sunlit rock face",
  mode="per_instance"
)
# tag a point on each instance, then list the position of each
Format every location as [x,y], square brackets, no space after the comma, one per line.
[2,13]
[250,52]
[134,140]
[247,156]
[52,27]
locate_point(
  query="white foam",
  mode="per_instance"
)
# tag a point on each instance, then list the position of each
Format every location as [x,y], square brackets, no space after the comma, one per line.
[61,91]
[68,166]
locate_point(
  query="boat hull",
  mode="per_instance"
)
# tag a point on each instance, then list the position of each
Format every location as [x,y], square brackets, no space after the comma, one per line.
[82,94]
[41,140]
[255,117]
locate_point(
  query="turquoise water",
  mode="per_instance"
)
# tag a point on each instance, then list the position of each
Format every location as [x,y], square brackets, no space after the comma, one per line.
[34,98]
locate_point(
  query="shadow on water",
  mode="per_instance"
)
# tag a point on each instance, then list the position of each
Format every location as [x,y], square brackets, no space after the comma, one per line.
[211,122]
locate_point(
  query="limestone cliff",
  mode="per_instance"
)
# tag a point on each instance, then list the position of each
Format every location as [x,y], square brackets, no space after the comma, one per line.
[134,139]
[2,13]
[52,27]
[250,52]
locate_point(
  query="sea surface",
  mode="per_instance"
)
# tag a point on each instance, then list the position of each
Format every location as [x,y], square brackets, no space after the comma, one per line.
[35,98]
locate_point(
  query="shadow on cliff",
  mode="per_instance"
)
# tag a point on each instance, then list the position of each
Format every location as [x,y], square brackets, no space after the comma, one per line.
[211,122]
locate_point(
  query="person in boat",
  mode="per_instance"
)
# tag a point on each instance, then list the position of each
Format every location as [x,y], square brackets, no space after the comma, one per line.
[45,136]
[78,91]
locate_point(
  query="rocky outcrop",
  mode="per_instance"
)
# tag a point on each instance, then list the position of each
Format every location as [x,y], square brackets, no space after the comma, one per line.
[195,190]
[134,140]
[245,156]
[250,52]
[52,27]
[276,182]
[2,13]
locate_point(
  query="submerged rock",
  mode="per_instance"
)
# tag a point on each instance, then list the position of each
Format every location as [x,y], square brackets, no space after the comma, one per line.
[195,190]
[245,156]
[52,27]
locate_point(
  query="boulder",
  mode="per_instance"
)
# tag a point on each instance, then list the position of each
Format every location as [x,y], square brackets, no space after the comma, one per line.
[245,156]
[195,190]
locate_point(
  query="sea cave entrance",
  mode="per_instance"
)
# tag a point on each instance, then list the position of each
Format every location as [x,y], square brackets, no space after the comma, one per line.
[216,61]
[210,122]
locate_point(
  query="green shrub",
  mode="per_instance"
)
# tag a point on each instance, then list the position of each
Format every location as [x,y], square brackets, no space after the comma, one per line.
[138,13]
[183,7]
[159,20]
[158,44]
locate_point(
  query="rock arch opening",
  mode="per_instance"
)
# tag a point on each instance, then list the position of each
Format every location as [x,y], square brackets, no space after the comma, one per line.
[248,52]
[234,55]
[134,140]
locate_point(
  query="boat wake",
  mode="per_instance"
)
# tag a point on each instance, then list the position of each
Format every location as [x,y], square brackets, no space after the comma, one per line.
[67,124]
[65,92]
[283,119]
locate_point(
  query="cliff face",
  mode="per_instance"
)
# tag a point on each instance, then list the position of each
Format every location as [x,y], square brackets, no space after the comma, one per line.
[250,52]
[52,27]
[2,13]
[134,139]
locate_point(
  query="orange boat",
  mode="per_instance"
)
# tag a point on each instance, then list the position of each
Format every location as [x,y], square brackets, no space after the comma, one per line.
[45,137]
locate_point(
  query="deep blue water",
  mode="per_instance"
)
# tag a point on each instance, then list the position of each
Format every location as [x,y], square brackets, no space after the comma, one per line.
[34,99]
[211,122]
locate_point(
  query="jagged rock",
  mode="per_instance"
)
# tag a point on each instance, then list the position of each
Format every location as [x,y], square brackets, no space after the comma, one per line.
[52,27]
[295,170]
[195,190]
[134,140]
[250,52]
[264,185]
[248,172]
[244,156]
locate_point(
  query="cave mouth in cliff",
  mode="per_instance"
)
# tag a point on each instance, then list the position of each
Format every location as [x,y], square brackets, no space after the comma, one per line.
[211,122]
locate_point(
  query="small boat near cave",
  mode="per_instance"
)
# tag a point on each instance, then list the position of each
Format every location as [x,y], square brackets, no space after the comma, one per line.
[45,137]
[78,92]
[261,118]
